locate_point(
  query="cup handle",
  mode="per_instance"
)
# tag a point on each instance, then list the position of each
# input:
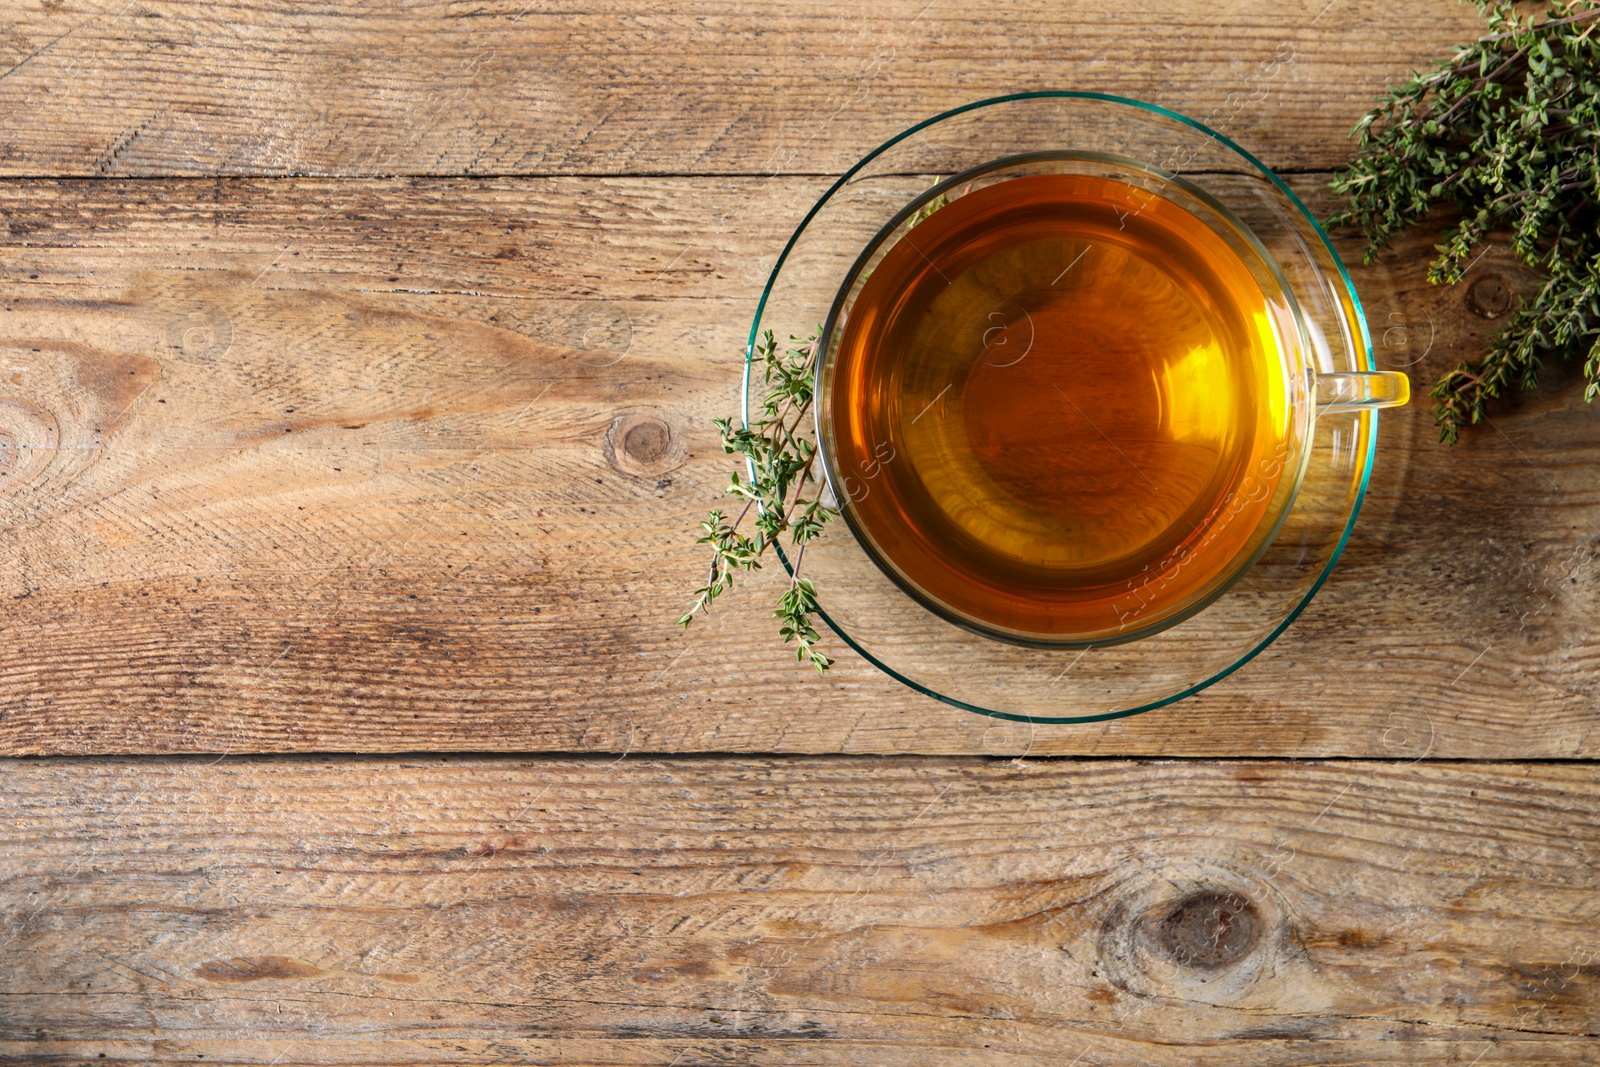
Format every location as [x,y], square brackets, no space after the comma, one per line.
[1362,390]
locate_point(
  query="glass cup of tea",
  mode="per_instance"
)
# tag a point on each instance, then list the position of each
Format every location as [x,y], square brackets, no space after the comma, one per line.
[1095,398]
[1086,394]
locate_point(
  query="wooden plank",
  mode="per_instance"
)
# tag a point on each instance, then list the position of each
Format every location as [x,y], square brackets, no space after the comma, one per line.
[161,87]
[890,911]
[314,466]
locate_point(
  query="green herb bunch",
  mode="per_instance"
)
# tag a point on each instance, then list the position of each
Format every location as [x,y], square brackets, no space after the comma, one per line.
[781,461]
[1508,132]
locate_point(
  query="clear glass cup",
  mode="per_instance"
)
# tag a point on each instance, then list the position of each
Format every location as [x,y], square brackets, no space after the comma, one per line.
[1143,659]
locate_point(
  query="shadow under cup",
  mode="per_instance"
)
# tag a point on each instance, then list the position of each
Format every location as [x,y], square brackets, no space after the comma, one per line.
[1064,399]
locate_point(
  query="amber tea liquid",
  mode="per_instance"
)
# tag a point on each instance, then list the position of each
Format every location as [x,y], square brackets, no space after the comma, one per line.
[1057,408]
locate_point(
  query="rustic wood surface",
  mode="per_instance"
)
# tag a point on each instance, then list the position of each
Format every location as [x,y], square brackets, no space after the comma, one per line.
[356,363]
[885,911]
[302,464]
[452,87]
[415,464]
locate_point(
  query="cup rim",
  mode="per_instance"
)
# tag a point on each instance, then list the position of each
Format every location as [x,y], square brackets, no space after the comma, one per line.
[1227,576]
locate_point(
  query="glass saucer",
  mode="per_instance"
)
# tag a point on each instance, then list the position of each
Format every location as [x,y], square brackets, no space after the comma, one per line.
[1082,683]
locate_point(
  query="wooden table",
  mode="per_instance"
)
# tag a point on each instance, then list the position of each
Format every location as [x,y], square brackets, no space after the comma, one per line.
[357,364]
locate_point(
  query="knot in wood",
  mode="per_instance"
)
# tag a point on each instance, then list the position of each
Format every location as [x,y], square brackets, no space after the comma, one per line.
[1208,930]
[642,445]
[29,438]
[646,441]
[1490,296]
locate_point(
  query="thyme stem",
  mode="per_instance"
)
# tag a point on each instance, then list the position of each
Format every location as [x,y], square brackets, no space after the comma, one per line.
[780,463]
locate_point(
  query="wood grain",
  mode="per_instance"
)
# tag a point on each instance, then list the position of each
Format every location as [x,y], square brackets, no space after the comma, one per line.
[803,911]
[303,465]
[411,462]
[449,87]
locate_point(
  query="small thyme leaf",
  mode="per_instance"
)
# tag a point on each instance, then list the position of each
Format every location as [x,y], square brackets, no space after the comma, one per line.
[1507,131]
[780,492]
[926,210]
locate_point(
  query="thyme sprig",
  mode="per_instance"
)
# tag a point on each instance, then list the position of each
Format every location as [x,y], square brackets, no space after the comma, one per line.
[781,467]
[1508,132]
